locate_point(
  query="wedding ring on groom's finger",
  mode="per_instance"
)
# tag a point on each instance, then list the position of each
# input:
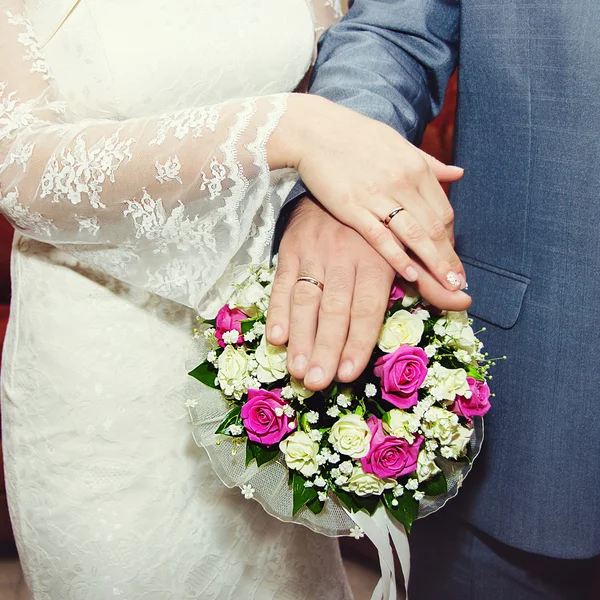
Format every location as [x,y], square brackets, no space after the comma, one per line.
[311,280]
[387,220]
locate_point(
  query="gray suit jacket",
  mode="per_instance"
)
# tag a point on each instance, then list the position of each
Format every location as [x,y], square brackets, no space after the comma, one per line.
[527,229]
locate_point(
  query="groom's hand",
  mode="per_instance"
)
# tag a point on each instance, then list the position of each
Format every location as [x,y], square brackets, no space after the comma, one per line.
[332,333]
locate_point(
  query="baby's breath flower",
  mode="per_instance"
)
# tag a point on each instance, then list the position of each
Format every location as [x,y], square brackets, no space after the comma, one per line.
[312,417]
[320,482]
[322,496]
[211,357]
[309,484]
[289,411]
[248,491]
[235,430]
[249,336]
[412,484]
[346,467]
[287,393]
[370,390]
[419,496]
[398,491]
[431,350]
[191,403]
[335,472]
[209,333]
[341,480]
[258,328]
[334,411]
[320,459]
[343,401]
[394,502]
[334,458]
[315,435]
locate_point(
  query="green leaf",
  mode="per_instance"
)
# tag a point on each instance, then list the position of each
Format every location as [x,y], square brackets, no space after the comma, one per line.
[302,495]
[211,322]
[435,486]
[230,419]
[407,510]
[368,503]
[316,506]
[205,373]
[474,373]
[262,454]
[348,499]
[249,453]
[247,325]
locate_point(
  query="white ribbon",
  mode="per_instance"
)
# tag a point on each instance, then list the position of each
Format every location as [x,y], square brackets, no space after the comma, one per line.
[378,528]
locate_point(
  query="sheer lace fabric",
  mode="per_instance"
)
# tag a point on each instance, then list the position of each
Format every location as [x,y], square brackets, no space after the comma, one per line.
[132,163]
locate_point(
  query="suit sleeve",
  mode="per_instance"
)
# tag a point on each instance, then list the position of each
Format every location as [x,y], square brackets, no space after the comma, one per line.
[389,60]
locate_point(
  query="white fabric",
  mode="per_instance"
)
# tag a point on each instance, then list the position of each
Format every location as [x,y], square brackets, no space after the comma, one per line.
[132,137]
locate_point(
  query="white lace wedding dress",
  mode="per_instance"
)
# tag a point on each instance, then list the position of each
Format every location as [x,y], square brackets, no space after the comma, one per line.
[132,162]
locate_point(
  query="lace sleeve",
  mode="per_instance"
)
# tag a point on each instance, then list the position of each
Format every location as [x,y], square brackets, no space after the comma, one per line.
[163,203]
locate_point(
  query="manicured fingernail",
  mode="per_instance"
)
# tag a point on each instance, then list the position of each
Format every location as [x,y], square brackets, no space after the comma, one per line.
[346,369]
[315,375]
[453,279]
[411,274]
[300,362]
[276,332]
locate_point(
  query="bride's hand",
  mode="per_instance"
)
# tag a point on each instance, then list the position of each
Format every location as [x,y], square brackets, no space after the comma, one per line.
[363,171]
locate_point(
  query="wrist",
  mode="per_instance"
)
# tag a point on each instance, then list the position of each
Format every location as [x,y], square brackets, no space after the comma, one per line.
[289,141]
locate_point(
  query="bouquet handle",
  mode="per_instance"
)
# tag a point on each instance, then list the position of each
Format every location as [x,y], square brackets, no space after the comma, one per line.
[379,528]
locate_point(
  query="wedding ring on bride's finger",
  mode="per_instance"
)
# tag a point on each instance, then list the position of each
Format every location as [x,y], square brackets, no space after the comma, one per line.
[387,220]
[311,280]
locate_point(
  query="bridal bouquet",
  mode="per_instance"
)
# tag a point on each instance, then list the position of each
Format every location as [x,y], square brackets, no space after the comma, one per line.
[399,439]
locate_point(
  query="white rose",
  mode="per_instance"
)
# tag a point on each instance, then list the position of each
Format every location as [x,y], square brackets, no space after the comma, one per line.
[351,436]
[401,328]
[232,368]
[441,424]
[467,341]
[271,361]
[426,468]
[300,453]
[299,388]
[460,440]
[367,484]
[401,424]
[446,384]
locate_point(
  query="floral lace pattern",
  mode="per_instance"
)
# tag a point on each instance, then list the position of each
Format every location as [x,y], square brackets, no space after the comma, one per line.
[132,162]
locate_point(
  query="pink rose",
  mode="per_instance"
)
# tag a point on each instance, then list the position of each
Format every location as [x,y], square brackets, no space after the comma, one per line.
[396,294]
[401,373]
[264,419]
[390,456]
[475,406]
[229,319]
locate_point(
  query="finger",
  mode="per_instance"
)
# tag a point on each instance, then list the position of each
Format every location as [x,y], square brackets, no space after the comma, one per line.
[443,172]
[332,330]
[439,223]
[430,289]
[371,293]
[384,242]
[306,300]
[417,237]
[435,196]
[278,315]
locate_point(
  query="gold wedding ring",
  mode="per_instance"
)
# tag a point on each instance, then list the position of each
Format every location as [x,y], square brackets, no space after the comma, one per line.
[311,280]
[392,215]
